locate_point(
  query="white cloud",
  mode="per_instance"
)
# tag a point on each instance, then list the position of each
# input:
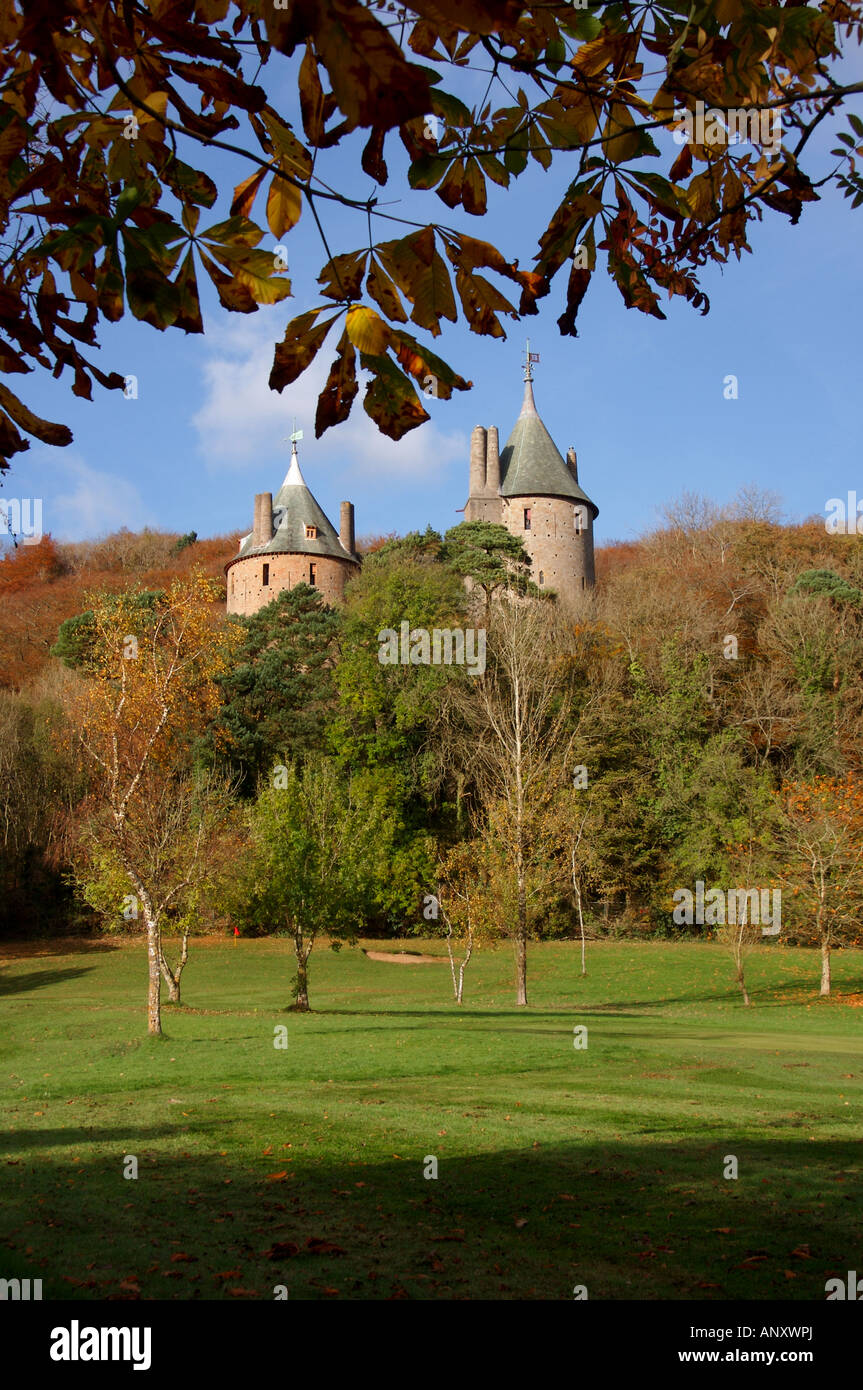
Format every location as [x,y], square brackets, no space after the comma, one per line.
[243,425]
[80,502]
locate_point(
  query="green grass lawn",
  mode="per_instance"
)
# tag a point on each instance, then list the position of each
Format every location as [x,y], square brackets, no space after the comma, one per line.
[557,1167]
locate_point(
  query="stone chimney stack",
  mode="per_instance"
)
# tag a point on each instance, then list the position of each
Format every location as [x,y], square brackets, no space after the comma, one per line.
[346,527]
[572,462]
[478,444]
[262,527]
[492,462]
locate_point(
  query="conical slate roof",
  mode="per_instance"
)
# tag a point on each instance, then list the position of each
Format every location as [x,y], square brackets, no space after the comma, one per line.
[531,464]
[294,508]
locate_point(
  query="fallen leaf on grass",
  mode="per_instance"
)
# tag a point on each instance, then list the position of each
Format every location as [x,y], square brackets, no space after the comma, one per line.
[323,1247]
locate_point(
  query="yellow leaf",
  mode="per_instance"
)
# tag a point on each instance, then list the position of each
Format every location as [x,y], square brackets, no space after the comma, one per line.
[367,331]
[621,137]
[284,202]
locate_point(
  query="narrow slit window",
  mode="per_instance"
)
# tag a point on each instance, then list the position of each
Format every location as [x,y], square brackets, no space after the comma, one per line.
[541,577]
[582,581]
[527,512]
[266,579]
[313,574]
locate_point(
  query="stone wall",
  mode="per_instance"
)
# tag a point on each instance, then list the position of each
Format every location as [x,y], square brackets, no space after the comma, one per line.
[247,591]
[559,542]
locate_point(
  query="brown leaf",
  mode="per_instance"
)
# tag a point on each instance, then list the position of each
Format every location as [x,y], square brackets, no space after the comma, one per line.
[575,292]
[302,340]
[473,16]
[49,433]
[233,294]
[370,77]
[337,397]
[282,1250]
[186,284]
[372,158]
[323,1247]
[246,192]
[391,400]
[311,97]
[481,303]
[682,166]
[342,277]
[292,153]
[384,293]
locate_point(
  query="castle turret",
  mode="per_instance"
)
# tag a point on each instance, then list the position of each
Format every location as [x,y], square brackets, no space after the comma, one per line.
[531,490]
[291,542]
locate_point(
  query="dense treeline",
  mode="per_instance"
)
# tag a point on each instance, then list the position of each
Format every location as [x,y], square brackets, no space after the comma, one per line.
[698,721]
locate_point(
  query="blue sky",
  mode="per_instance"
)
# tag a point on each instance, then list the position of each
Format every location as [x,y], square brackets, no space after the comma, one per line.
[641,400]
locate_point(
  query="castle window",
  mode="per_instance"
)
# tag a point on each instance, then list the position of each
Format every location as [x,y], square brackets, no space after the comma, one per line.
[311,533]
[313,570]
[266,579]
[541,577]
[527,511]
[582,581]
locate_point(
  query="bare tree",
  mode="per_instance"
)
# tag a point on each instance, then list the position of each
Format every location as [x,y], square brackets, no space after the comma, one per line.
[508,730]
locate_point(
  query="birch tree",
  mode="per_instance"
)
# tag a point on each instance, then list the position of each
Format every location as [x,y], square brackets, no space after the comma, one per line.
[821,848]
[151,688]
[509,730]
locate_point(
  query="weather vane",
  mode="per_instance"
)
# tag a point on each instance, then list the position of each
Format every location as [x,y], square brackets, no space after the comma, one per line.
[529,359]
[294,436]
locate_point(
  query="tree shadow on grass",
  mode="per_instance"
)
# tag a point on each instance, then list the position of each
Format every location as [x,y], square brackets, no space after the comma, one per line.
[39,979]
[37,947]
[631,1220]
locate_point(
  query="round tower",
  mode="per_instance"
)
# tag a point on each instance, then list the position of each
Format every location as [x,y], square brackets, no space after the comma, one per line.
[532,491]
[291,542]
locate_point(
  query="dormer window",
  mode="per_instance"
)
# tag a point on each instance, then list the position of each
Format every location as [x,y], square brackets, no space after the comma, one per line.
[311,533]
[527,513]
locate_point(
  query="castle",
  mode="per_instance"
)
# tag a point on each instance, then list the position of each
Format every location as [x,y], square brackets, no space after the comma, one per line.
[526,487]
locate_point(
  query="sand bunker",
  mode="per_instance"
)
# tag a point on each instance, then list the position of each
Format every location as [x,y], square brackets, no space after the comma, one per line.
[405,957]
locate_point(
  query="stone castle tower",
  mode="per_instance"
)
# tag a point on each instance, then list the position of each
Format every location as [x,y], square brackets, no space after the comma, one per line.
[529,489]
[291,542]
